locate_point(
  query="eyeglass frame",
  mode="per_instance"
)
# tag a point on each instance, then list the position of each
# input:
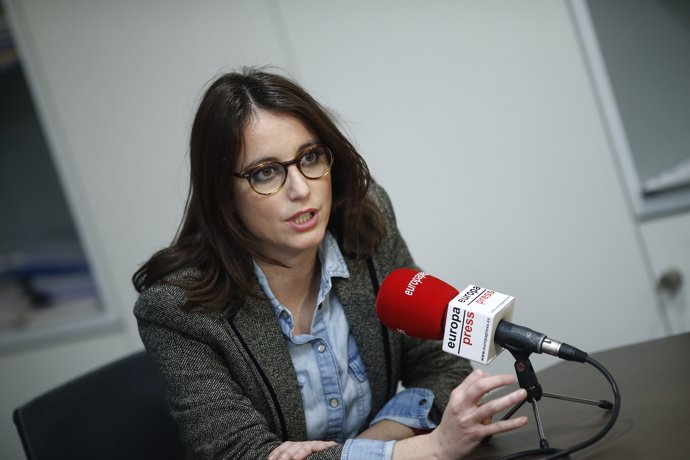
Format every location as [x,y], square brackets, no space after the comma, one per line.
[247,174]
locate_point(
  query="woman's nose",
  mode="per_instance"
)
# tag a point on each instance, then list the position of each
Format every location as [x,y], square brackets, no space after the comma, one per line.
[297,186]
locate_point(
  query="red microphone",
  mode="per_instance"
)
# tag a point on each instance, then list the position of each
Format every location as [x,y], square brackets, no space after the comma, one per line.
[414,303]
[473,323]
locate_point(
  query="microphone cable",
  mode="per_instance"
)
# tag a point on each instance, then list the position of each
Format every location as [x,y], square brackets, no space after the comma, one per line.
[563,453]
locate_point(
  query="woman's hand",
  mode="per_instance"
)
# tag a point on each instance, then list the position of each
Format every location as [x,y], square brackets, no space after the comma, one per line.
[466,420]
[290,450]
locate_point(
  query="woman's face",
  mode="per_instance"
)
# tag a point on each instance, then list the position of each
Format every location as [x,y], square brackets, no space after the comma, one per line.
[291,222]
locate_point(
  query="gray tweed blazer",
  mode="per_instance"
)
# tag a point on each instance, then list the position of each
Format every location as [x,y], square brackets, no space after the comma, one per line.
[231,386]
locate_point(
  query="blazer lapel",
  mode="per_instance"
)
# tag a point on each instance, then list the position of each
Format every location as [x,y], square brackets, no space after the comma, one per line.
[258,328]
[257,325]
[357,297]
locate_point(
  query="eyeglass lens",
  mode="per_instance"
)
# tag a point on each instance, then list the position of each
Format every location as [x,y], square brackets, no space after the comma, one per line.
[268,178]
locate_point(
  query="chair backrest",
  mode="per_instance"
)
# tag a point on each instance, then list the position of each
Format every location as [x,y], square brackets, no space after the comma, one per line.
[116,412]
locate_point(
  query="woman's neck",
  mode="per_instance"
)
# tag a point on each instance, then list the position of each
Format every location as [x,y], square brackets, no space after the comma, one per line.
[296,286]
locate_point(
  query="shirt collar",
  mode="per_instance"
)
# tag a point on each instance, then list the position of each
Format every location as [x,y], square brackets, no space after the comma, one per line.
[332,260]
[332,265]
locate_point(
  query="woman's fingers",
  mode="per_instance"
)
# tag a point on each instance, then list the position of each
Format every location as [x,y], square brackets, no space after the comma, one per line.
[493,406]
[477,385]
[299,450]
[489,408]
[503,425]
[467,418]
[473,377]
[475,415]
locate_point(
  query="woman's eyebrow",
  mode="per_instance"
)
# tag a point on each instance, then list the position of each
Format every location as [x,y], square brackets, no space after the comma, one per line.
[273,158]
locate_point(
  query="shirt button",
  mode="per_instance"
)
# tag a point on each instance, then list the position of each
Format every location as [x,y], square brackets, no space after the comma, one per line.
[334,403]
[422,402]
[284,314]
[321,348]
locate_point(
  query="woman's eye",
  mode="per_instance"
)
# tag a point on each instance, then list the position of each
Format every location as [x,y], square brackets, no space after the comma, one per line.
[265,173]
[310,157]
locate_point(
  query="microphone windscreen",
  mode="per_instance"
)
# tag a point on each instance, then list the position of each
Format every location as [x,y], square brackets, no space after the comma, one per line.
[414,303]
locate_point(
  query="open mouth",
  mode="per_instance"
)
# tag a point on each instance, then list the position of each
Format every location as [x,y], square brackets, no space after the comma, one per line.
[303,218]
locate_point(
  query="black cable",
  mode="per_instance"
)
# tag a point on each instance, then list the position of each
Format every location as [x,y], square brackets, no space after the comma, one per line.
[612,420]
[530,453]
[560,453]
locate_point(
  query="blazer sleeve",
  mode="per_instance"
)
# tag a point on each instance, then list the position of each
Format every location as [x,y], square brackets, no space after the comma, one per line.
[216,420]
[423,363]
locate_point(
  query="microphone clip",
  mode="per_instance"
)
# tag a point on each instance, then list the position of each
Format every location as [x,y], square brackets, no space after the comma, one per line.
[526,376]
[527,379]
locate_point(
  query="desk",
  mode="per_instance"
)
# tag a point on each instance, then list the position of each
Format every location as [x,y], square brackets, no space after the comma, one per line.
[654,422]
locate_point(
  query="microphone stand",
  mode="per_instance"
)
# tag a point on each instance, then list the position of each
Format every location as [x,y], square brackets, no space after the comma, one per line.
[527,379]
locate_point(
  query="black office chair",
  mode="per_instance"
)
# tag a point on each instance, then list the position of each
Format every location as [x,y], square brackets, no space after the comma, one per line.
[116,412]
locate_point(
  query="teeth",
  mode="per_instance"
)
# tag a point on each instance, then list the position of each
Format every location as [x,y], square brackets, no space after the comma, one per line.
[303,218]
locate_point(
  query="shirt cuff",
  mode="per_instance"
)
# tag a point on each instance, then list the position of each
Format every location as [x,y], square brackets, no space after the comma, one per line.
[410,407]
[367,449]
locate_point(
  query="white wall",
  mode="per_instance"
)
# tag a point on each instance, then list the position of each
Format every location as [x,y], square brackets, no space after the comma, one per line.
[478,117]
[637,54]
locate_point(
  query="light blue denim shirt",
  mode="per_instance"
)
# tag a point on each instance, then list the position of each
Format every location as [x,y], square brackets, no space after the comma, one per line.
[331,374]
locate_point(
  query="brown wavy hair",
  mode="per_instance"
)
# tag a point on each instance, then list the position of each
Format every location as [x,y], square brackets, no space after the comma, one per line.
[211,238]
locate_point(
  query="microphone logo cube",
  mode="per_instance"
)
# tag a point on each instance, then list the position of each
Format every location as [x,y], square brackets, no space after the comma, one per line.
[471,320]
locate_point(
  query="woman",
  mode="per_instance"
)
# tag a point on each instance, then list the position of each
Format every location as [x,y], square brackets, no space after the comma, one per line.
[260,314]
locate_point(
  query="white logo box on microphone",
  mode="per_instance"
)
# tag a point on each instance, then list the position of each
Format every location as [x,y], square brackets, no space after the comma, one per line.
[471,320]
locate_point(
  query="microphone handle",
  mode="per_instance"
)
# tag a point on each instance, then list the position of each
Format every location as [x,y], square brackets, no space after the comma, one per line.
[563,350]
[518,339]
[523,340]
